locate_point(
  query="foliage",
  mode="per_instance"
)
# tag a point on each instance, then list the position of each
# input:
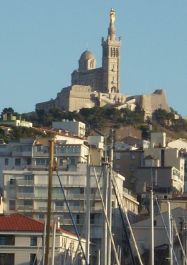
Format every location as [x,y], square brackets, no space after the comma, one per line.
[8,110]
[99,117]
[168,120]
[163,117]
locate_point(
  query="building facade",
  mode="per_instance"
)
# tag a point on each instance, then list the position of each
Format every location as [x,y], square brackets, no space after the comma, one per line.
[142,233]
[22,241]
[75,127]
[25,183]
[153,165]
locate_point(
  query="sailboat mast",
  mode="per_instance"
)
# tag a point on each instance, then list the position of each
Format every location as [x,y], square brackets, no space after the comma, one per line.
[51,160]
[104,242]
[109,209]
[88,210]
[152,262]
[170,222]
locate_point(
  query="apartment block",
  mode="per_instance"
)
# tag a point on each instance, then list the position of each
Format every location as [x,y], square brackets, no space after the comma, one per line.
[153,165]
[75,127]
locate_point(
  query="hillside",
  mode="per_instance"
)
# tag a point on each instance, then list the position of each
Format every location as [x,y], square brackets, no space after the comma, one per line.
[102,120]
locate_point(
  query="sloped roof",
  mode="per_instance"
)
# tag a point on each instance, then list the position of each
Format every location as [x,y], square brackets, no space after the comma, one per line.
[20,223]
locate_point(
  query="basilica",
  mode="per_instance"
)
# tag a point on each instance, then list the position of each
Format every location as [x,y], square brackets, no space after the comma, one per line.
[92,86]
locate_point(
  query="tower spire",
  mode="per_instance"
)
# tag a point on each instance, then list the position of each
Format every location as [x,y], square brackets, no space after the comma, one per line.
[111,58]
[111,29]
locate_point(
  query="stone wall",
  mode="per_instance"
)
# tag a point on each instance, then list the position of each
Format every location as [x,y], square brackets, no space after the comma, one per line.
[156,100]
[91,78]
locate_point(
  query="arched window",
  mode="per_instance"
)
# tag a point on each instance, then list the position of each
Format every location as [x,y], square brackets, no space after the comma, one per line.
[117,52]
[114,89]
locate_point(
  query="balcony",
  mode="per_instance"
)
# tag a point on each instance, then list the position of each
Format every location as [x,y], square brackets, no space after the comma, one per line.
[22,195]
[24,208]
[61,209]
[22,153]
[23,182]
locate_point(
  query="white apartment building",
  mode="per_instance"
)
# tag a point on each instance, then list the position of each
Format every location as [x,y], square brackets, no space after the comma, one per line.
[156,164]
[22,242]
[161,167]
[25,183]
[181,145]
[167,164]
[26,191]
[33,154]
[75,127]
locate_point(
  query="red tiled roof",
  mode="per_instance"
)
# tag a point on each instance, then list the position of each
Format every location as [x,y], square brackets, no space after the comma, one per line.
[20,223]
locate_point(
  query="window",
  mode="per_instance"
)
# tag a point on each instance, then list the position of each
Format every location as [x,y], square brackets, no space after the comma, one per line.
[26,189]
[12,181]
[41,216]
[17,161]
[72,161]
[7,240]
[82,190]
[117,52]
[6,161]
[77,219]
[28,161]
[33,241]
[28,203]
[7,258]
[92,217]
[155,223]
[42,161]
[12,204]
[39,148]
[59,203]
[33,259]
[28,177]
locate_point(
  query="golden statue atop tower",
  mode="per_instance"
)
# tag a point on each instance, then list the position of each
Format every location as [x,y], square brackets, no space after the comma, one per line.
[112,16]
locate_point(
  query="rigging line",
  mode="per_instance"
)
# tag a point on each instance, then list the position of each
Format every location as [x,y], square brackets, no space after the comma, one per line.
[108,225]
[121,207]
[176,230]
[165,226]
[125,230]
[71,216]
[99,178]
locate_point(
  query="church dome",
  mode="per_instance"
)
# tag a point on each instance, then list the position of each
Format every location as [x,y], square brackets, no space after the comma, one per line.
[87,61]
[86,55]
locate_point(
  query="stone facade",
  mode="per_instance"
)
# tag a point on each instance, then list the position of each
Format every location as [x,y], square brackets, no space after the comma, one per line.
[91,86]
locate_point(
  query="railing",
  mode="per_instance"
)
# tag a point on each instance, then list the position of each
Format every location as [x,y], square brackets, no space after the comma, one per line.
[22,153]
[24,208]
[23,182]
[22,195]
[61,209]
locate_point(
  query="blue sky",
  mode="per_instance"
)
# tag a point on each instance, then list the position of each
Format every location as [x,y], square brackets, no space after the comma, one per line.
[42,40]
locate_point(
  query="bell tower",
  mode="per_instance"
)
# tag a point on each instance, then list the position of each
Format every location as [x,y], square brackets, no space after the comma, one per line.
[111,58]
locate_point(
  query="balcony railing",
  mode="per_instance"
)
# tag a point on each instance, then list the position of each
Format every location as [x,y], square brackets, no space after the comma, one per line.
[61,209]
[23,182]
[25,208]
[23,195]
